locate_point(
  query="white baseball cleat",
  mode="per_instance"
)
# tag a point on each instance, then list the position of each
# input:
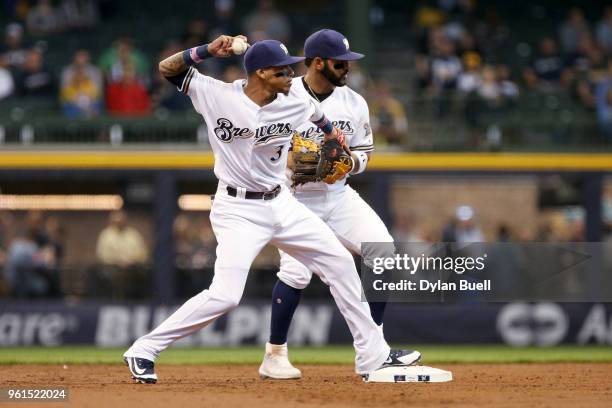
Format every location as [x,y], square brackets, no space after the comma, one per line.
[276,364]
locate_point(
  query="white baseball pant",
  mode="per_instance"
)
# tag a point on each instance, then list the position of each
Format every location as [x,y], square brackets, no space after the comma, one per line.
[243,227]
[351,219]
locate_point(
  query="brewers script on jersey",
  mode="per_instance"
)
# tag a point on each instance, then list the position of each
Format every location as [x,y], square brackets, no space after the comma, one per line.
[250,147]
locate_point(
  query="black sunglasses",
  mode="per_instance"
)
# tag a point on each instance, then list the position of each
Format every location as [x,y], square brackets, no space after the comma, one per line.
[282,74]
[340,65]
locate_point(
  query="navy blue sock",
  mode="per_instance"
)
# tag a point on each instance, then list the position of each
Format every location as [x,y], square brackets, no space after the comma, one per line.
[285,300]
[377,310]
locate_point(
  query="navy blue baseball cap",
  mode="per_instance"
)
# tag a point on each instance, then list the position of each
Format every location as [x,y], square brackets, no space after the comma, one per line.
[329,44]
[268,53]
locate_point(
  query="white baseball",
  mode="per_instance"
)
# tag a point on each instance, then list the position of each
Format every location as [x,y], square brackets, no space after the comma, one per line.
[239,46]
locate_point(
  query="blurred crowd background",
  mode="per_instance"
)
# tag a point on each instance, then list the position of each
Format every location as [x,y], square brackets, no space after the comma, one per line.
[440,75]
[522,75]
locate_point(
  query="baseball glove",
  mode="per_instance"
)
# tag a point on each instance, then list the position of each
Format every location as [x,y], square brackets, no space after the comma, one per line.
[305,160]
[334,161]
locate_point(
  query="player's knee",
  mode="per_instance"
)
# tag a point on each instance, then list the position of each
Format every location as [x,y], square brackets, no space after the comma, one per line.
[229,301]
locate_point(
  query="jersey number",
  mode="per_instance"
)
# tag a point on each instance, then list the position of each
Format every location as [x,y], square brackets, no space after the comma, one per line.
[279,152]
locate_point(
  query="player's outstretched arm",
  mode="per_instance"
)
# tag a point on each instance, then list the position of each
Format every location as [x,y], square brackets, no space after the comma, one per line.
[181,61]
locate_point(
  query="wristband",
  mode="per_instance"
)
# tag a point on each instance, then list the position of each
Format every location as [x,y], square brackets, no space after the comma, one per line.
[324,124]
[196,55]
[360,162]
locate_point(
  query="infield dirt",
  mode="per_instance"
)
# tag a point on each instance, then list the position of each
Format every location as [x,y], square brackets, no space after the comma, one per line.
[474,385]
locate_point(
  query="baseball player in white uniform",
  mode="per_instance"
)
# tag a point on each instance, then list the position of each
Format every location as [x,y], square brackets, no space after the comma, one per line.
[250,125]
[338,205]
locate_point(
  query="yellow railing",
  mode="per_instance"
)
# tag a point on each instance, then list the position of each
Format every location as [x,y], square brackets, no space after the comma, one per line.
[17,159]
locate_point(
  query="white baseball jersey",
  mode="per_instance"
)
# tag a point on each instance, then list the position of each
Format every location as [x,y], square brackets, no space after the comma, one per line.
[349,112]
[343,210]
[247,155]
[250,145]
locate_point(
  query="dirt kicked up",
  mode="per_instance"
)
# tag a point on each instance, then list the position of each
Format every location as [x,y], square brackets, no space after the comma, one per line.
[474,385]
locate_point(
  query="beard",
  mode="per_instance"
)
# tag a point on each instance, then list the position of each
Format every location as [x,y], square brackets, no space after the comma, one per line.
[332,77]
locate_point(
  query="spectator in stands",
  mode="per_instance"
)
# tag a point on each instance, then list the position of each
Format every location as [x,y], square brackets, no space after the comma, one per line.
[164,94]
[34,79]
[463,228]
[427,16]
[120,244]
[194,250]
[588,56]
[388,118]
[35,222]
[445,66]
[80,96]
[32,267]
[445,70]
[13,53]
[20,270]
[81,88]
[509,88]
[49,236]
[44,19]
[572,29]
[127,96]
[56,234]
[490,90]
[6,223]
[470,78]
[81,61]
[546,68]
[603,100]
[267,22]
[603,31]
[122,254]
[7,86]
[114,60]
[485,98]
[80,14]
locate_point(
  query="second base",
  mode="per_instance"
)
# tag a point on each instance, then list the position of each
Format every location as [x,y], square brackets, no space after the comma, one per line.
[409,374]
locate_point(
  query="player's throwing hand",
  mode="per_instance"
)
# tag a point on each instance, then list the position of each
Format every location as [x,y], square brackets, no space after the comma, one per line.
[222,46]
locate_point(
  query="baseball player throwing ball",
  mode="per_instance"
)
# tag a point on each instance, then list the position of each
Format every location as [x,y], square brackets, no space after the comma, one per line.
[337,204]
[250,125]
